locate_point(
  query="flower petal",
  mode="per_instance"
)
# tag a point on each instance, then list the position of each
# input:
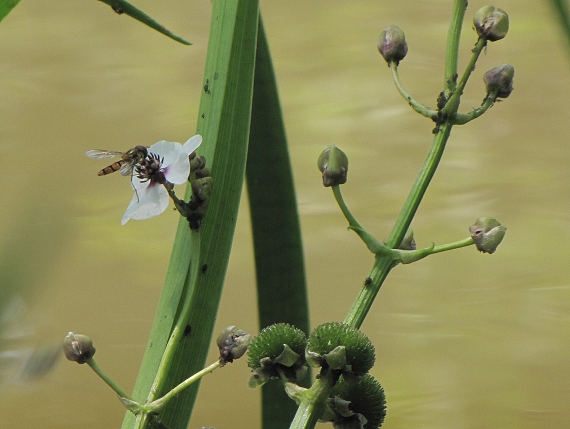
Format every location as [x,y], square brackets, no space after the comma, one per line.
[168,151]
[148,202]
[192,144]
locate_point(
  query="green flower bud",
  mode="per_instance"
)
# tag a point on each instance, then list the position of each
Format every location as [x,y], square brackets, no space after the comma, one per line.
[333,163]
[490,23]
[197,162]
[487,233]
[392,44]
[277,352]
[352,400]
[233,343]
[78,348]
[340,347]
[500,80]
[202,188]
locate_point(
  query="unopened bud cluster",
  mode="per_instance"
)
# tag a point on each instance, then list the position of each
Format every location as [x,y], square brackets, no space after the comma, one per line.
[202,186]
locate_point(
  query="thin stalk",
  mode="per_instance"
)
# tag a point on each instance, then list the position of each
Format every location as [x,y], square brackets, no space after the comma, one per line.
[463,118]
[156,405]
[371,242]
[417,106]
[451,246]
[91,362]
[452,105]
[452,49]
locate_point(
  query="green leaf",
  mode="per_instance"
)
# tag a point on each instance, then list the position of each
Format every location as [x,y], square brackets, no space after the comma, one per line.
[6,7]
[121,6]
[563,15]
[224,118]
[280,271]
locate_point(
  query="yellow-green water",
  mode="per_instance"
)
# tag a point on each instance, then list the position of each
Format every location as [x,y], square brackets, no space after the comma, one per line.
[464,340]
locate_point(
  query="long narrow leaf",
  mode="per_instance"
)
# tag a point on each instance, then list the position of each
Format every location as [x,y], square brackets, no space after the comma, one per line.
[6,7]
[281,285]
[121,6]
[563,15]
[225,112]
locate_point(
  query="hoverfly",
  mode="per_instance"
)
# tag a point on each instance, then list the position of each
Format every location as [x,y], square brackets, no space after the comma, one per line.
[125,165]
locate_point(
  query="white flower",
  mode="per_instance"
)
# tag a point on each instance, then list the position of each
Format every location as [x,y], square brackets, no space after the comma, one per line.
[165,162]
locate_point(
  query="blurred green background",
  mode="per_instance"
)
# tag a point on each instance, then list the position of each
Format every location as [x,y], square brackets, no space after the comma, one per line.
[463,340]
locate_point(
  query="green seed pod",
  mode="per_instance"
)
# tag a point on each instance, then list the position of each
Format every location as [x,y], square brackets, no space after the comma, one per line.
[233,343]
[392,44]
[78,348]
[331,342]
[366,398]
[491,23]
[333,163]
[487,233]
[270,341]
[277,352]
[500,80]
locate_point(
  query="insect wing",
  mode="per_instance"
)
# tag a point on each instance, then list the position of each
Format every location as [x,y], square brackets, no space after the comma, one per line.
[127,168]
[102,154]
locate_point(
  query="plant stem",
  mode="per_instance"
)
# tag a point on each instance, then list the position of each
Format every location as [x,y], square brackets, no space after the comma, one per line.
[451,246]
[452,49]
[452,105]
[312,402]
[463,118]
[91,362]
[178,330]
[156,405]
[371,242]
[418,107]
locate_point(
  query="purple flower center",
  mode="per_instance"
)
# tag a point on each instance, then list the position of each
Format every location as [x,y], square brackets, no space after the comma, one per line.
[150,169]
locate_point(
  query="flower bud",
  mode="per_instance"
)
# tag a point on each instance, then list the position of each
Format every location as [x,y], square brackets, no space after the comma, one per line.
[78,348]
[500,80]
[487,233]
[233,343]
[392,44]
[491,23]
[333,163]
[202,188]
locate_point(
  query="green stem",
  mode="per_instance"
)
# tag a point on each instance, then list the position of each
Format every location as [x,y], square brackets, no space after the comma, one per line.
[313,402]
[91,362]
[452,49]
[451,246]
[372,243]
[452,105]
[156,405]
[420,186]
[417,106]
[383,264]
[365,298]
[181,321]
[461,119]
